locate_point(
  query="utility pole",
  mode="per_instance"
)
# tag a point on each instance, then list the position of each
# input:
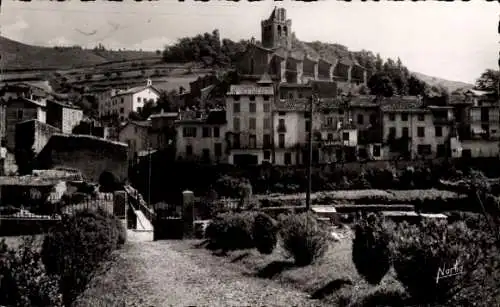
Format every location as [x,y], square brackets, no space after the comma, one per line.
[309,160]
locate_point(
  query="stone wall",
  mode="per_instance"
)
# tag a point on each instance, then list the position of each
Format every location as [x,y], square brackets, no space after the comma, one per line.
[34,134]
[91,155]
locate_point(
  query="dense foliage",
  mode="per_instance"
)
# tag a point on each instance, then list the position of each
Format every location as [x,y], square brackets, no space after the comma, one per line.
[303,238]
[74,249]
[231,231]
[207,48]
[25,281]
[370,249]
[265,233]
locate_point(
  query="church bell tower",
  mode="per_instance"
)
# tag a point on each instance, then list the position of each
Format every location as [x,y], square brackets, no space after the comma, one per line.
[277,30]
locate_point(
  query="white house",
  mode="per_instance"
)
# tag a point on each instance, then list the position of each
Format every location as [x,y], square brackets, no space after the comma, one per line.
[132,100]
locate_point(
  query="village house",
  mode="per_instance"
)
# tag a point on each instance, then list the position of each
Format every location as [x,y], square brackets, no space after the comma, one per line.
[136,134]
[163,130]
[249,118]
[63,115]
[413,130]
[122,103]
[201,136]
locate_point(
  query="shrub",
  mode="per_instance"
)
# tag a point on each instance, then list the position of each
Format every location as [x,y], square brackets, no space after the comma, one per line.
[231,231]
[77,245]
[382,297]
[265,233]
[108,182]
[24,279]
[303,238]
[419,251]
[370,249]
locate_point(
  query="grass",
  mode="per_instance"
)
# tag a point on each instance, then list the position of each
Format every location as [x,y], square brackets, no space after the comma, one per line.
[333,279]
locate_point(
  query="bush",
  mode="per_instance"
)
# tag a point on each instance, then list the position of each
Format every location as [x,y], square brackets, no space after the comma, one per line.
[77,245]
[382,297]
[265,233]
[419,251]
[303,238]
[370,249]
[231,231]
[108,182]
[24,279]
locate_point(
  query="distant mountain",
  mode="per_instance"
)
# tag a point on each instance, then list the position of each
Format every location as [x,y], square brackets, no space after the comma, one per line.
[450,85]
[20,56]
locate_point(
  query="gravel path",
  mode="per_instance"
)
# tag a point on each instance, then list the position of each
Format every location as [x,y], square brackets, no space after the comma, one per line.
[160,274]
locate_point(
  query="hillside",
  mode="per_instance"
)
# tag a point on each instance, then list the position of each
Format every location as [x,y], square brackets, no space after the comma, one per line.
[450,85]
[19,56]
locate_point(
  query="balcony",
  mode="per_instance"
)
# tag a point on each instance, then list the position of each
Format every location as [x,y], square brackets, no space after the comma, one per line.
[281,128]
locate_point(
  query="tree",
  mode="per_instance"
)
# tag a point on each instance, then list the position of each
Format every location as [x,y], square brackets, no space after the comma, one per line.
[488,81]
[380,84]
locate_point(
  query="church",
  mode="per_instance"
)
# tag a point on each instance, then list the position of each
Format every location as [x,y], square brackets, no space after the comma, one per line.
[288,61]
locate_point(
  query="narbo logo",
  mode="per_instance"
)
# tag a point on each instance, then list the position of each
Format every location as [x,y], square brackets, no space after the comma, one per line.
[444,272]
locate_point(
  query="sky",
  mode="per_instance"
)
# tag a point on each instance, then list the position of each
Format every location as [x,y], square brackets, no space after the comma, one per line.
[455,41]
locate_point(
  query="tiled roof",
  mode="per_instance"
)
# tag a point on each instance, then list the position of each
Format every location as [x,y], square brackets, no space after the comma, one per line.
[64,104]
[141,123]
[136,90]
[250,90]
[165,114]
[292,105]
[42,103]
[402,103]
[363,101]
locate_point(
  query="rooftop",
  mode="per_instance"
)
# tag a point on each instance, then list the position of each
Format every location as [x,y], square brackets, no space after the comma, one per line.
[250,90]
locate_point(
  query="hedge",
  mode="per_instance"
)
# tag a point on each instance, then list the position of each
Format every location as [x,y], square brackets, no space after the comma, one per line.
[75,247]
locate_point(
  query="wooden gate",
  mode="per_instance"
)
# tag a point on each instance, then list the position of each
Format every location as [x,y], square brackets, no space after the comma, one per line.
[168,224]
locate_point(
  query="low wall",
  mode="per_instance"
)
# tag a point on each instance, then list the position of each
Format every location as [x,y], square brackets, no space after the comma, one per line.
[91,155]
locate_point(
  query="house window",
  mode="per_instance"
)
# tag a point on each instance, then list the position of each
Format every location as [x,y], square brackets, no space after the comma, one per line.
[237,98]
[267,140]
[288,158]
[252,98]
[121,99]
[253,107]
[345,136]
[376,150]
[236,107]
[138,99]
[406,132]
[122,110]
[216,132]
[266,97]
[206,132]
[189,132]
[421,117]
[267,155]
[218,149]
[421,132]
[308,126]
[392,117]
[329,121]
[189,150]
[253,123]
[236,124]
[360,119]
[20,114]
[281,141]
[392,132]
[267,123]
[267,107]
[373,119]
[439,131]
[341,112]
[290,95]
[404,117]
[252,139]
[301,96]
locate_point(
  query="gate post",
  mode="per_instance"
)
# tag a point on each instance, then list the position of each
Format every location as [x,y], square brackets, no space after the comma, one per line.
[120,201]
[188,213]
